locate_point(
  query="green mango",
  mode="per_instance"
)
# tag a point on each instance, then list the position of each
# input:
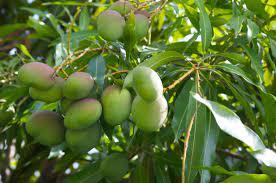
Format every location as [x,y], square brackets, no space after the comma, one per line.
[78,85]
[37,75]
[116,105]
[149,116]
[82,114]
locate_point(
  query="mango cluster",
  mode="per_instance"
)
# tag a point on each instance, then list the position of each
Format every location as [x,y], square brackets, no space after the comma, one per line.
[111,23]
[149,108]
[77,120]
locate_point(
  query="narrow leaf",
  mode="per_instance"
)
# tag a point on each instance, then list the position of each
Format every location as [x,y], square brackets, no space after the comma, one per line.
[25,51]
[84,19]
[205,25]
[246,178]
[236,58]
[96,68]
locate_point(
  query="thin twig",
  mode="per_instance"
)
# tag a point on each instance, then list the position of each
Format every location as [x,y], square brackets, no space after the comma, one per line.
[157,10]
[185,148]
[119,72]
[179,80]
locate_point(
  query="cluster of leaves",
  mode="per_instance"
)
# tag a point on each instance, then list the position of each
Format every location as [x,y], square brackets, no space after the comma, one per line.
[216,60]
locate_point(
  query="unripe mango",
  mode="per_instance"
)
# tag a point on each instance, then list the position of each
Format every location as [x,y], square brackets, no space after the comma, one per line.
[114,166]
[5,117]
[46,127]
[149,116]
[116,104]
[83,140]
[141,26]
[50,95]
[122,7]
[110,25]
[78,85]
[147,83]
[37,75]
[83,113]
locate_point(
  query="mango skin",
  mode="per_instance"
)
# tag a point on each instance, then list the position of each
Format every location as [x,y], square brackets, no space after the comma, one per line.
[114,166]
[5,117]
[110,25]
[83,140]
[116,105]
[82,114]
[46,127]
[122,7]
[37,75]
[50,95]
[78,85]
[149,116]
[249,178]
[141,26]
[147,83]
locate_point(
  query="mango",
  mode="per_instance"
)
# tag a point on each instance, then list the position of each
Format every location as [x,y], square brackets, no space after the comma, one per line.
[141,25]
[50,95]
[78,85]
[122,7]
[116,105]
[110,25]
[149,116]
[114,166]
[37,75]
[147,83]
[46,127]
[83,140]
[82,114]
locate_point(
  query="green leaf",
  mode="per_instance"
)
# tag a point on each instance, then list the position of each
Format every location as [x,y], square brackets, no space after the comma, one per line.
[141,175]
[25,51]
[236,23]
[96,68]
[210,142]
[269,102]
[252,29]
[129,35]
[84,19]
[41,28]
[60,53]
[237,71]
[9,28]
[89,174]
[255,61]
[162,58]
[218,170]
[249,178]
[161,174]
[269,171]
[184,109]
[231,124]
[236,58]
[273,47]
[205,25]
[192,15]
[257,7]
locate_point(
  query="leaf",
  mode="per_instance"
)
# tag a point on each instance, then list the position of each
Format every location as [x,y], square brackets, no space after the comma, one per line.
[90,174]
[218,170]
[238,71]
[269,102]
[9,28]
[255,61]
[257,7]
[231,124]
[249,178]
[252,29]
[129,35]
[96,67]
[41,28]
[269,171]
[272,45]
[84,19]
[60,53]
[161,174]
[162,58]
[184,108]
[205,25]
[236,23]
[210,142]
[192,15]
[25,51]
[236,58]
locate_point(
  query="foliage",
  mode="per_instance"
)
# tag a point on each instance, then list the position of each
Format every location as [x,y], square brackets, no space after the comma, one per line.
[216,60]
